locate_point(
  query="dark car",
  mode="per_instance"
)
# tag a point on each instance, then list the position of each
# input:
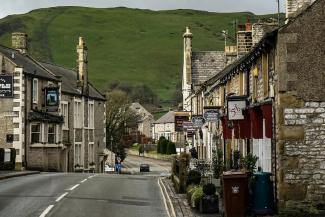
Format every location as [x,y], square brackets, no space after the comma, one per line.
[144,168]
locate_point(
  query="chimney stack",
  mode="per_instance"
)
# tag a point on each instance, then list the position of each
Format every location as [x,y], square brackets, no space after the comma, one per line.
[187,66]
[19,42]
[82,51]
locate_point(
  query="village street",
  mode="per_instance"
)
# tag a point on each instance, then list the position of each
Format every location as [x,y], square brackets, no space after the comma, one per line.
[85,194]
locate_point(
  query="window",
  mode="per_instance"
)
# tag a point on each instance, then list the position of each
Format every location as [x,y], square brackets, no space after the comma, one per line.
[65,114]
[91,115]
[78,117]
[77,154]
[36,133]
[265,74]
[9,138]
[51,133]
[255,78]
[35,90]
[91,157]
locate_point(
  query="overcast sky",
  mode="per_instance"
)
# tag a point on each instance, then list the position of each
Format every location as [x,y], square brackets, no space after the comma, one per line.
[255,6]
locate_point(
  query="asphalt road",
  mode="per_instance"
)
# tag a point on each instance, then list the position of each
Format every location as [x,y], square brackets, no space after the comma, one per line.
[84,195]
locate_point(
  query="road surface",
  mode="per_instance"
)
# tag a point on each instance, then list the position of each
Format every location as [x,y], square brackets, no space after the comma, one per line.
[85,194]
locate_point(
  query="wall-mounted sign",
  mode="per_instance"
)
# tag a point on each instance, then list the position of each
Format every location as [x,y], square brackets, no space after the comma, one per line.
[52,99]
[211,114]
[197,120]
[180,117]
[6,86]
[235,109]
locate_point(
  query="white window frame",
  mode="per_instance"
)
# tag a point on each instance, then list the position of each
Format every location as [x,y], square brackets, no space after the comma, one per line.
[65,114]
[78,114]
[91,152]
[40,133]
[54,133]
[91,115]
[35,90]
[79,144]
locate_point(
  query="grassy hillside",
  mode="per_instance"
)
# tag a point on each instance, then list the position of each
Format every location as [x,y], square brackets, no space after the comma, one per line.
[128,45]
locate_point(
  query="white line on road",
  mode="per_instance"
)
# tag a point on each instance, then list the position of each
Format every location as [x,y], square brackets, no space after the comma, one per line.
[83,180]
[73,187]
[91,176]
[161,186]
[46,211]
[62,196]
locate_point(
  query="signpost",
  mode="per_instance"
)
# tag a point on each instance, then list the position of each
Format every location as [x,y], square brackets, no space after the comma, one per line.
[180,117]
[6,86]
[235,108]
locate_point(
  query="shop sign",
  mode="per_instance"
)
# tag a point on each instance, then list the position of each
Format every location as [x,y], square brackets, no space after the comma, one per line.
[211,114]
[180,117]
[198,120]
[6,86]
[235,109]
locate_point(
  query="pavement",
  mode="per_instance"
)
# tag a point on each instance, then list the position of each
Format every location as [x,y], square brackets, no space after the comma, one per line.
[4,174]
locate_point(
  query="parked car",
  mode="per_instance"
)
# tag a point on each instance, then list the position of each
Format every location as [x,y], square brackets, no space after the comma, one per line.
[109,168]
[144,168]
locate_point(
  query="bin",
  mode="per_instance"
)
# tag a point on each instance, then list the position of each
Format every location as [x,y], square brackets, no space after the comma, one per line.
[263,199]
[235,192]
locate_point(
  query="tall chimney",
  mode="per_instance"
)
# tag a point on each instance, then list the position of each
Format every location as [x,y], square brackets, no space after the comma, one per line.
[187,64]
[19,42]
[293,7]
[82,51]
[244,39]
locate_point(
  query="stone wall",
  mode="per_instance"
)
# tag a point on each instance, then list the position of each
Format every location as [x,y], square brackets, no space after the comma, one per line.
[303,158]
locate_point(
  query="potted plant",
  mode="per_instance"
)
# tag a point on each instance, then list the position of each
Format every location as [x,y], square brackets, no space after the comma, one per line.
[92,166]
[209,203]
[196,197]
[78,168]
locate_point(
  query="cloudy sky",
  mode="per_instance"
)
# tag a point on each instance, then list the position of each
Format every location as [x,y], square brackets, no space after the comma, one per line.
[256,6]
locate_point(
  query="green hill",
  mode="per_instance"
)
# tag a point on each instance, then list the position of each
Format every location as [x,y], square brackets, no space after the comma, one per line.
[128,45]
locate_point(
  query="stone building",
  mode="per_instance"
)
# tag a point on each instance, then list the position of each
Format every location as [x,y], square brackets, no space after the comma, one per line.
[271,103]
[52,112]
[165,126]
[146,119]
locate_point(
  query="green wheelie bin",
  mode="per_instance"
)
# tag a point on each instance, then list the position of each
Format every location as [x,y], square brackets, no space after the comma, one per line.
[263,199]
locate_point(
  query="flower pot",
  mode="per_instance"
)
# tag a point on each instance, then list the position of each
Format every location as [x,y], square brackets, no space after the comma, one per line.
[209,204]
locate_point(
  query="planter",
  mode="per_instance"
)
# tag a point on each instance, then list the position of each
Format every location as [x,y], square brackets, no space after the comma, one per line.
[209,204]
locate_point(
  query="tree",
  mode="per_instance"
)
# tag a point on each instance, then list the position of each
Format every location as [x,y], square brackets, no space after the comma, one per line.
[171,148]
[159,144]
[119,116]
[163,147]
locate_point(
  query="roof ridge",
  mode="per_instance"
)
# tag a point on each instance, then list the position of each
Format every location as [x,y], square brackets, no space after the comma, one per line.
[55,64]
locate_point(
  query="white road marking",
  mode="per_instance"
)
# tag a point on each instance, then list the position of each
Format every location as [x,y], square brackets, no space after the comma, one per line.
[92,176]
[73,187]
[161,186]
[46,211]
[62,196]
[83,180]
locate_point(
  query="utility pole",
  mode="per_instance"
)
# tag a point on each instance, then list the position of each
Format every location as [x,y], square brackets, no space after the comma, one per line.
[112,150]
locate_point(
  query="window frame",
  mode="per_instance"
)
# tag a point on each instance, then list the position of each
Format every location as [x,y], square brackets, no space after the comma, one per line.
[40,133]
[52,133]
[79,157]
[91,116]
[35,90]
[65,114]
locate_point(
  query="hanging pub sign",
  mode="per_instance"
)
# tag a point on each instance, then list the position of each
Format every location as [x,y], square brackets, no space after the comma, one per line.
[197,120]
[235,107]
[180,117]
[52,98]
[211,113]
[6,86]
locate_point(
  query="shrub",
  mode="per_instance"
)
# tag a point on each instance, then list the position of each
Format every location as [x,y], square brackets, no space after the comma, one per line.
[197,195]
[171,148]
[209,189]
[163,147]
[141,149]
[189,192]
[193,177]
[159,144]
[249,162]
[217,163]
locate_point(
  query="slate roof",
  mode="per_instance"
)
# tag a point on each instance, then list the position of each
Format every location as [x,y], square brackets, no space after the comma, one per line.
[166,118]
[29,65]
[144,114]
[69,81]
[206,64]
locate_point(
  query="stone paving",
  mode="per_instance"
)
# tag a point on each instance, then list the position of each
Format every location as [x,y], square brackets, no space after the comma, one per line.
[180,204]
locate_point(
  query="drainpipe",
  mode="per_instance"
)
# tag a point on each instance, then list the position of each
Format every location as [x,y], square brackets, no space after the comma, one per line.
[26,119]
